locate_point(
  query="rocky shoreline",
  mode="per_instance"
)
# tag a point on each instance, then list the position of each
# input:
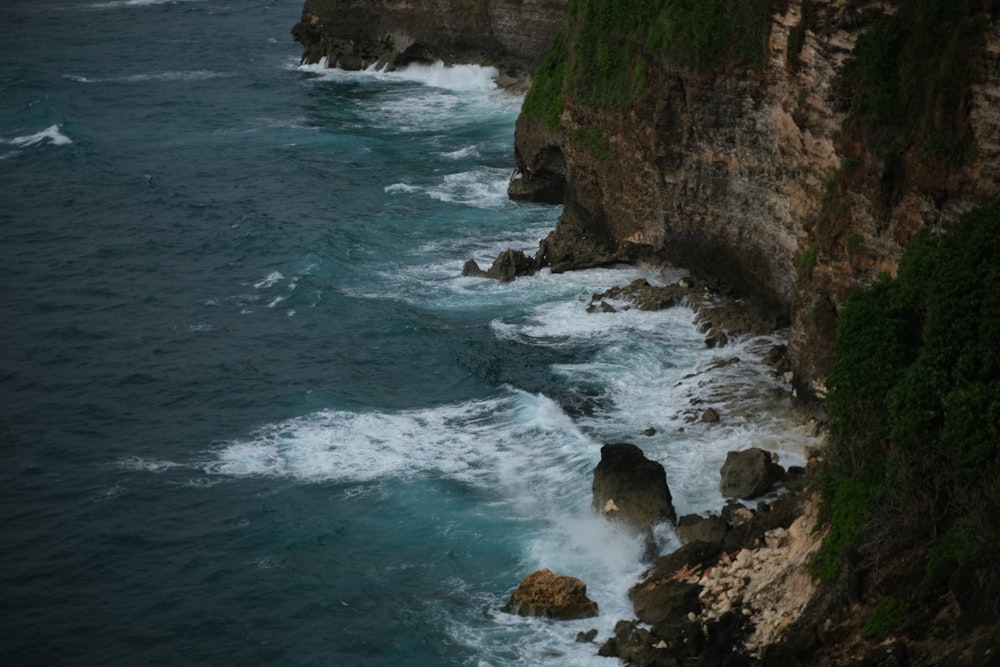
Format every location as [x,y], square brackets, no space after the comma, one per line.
[722,597]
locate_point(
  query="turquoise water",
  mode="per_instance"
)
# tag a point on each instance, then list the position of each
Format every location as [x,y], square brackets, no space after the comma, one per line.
[251,412]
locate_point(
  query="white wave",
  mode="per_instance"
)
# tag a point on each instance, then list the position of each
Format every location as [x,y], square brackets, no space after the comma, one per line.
[484,187]
[139,463]
[457,78]
[50,134]
[79,79]
[271,279]
[397,188]
[462,153]
[518,441]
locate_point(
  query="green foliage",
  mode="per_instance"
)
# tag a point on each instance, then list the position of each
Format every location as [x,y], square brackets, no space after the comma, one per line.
[604,58]
[914,397]
[887,617]
[854,242]
[544,100]
[807,262]
[908,76]
[847,503]
[700,34]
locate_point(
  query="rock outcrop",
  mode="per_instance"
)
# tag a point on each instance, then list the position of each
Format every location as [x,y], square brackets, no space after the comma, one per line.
[558,596]
[356,34]
[749,474]
[631,488]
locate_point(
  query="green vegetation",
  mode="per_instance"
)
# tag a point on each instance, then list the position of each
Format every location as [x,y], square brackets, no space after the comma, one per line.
[887,617]
[909,73]
[611,43]
[914,401]
[854,242]
[807,262]
[544,100]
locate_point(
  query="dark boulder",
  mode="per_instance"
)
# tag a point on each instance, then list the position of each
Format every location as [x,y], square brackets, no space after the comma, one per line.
[632,488]
[695,528]
[557,596]
[749,474]
[508,265]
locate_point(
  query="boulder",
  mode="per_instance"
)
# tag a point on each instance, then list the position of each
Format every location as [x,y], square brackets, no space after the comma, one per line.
[629,487]
[749,474]
[557,596]
[695,528]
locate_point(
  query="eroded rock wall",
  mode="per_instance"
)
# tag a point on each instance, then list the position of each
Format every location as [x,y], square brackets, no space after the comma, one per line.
[512,35]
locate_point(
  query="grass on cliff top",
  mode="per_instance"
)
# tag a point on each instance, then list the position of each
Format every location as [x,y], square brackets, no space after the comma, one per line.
[914,402]
[603,59]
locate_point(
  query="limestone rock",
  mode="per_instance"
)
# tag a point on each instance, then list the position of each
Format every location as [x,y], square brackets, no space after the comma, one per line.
[558,596]
[633,486]
[749,474]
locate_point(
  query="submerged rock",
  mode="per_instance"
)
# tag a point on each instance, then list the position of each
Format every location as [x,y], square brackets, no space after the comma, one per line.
[558,596]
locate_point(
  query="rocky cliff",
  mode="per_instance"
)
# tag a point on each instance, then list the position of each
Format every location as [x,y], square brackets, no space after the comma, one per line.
[785,149]
[511,35]
[763,166]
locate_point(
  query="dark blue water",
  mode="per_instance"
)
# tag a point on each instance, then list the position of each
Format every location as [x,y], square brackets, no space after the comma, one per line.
[251,413]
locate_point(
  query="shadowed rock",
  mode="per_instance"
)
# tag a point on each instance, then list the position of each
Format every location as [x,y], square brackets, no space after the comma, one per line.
[506,267]
[630,487]
[749,474]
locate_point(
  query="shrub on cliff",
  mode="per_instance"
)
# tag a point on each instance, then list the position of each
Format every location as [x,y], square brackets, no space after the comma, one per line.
[914,400]
[602,60]
[909,74]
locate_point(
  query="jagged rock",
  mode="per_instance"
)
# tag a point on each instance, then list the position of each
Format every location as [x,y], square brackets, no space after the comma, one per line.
[508,265]
[660,603]
[710,416]
[749,474]
[632,488]
[558,596]
[643,296]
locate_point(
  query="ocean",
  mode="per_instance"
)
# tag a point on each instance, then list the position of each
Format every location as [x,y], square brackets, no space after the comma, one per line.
[251,412]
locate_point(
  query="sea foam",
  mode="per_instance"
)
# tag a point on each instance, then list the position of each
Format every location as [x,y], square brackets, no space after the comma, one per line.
[50,135]
[472,78]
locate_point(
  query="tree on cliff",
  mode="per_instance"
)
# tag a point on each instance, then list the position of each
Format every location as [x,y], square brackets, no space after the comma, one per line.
[915,404]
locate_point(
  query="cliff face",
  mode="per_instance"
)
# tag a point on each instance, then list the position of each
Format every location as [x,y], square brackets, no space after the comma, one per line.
[754,174]
[354,34]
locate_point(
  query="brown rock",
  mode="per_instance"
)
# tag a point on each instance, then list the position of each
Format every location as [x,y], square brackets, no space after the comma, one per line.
[558,596]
